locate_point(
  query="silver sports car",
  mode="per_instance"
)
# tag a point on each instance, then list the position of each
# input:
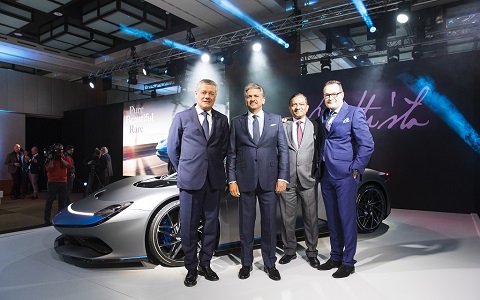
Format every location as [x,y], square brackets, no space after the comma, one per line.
[137,219]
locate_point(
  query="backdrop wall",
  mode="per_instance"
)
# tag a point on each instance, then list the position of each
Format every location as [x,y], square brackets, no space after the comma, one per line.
[414,110]
[426,152]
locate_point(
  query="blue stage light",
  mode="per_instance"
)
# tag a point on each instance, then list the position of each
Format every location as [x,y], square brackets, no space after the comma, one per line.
[444,108]
[163,41]
[362,10]
[226,5]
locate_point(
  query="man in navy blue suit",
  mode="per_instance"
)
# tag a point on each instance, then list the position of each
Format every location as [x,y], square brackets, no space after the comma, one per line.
[345,149]
[258,167]
[197,146]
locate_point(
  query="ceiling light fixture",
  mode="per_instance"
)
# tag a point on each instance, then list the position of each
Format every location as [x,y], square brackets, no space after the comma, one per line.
[146,68]
[403,12]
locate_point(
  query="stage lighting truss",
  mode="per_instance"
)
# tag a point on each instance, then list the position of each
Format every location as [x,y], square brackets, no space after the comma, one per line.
[314,19]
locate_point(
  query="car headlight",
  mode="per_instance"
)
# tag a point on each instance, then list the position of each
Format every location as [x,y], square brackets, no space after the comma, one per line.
[112,210]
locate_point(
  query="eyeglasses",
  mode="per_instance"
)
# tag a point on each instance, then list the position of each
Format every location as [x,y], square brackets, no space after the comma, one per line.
[333,95]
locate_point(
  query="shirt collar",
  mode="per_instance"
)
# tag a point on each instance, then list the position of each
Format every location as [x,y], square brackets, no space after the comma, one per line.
[259,114]
[199,110]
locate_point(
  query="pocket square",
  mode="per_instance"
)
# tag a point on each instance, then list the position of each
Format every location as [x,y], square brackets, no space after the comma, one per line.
[273,124]
[346,120]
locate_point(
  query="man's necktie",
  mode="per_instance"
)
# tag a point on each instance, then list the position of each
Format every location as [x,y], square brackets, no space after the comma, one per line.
[299,133]
[256,129]
[328,124]
[205,125]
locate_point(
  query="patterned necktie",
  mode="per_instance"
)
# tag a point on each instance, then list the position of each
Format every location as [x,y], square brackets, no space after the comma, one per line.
[299,133]
[206,127]
[256,129]
[329,122]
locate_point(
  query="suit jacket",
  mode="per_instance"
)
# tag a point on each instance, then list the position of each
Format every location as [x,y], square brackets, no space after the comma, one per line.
[192,154]
[250,164]
[303,161]
[10,160]
[348,145]
[36,166]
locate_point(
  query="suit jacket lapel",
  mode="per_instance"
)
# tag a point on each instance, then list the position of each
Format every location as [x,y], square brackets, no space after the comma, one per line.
[193,115]
[244,125]
[340,116]
[289,129]
[308,130]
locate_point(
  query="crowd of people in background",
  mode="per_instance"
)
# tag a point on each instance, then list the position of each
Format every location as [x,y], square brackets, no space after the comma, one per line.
[32,172]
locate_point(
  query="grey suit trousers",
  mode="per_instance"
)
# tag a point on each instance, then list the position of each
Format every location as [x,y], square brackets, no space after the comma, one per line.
[288,208]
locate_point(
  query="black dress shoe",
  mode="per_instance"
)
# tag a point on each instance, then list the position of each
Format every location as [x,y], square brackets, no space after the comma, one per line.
[330,264]
[287,258]
[273,273]
[191,278]
[208,273]
[244,272]
[344,271]
[314,262]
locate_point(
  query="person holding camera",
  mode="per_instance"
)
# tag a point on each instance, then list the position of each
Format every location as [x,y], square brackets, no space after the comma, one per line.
[97,165]
[57,165]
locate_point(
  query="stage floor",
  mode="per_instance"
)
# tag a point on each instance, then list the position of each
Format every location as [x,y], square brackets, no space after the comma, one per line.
[413,255]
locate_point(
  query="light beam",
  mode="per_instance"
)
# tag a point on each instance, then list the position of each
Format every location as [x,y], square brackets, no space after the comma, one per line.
[226,5]
[444,108]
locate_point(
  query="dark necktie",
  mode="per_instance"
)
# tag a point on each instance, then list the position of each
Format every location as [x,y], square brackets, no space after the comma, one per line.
[299,133]
[206,129]
[256,129]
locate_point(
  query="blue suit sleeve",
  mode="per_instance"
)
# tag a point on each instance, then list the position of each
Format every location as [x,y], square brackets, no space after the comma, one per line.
[363,139]
[174,141]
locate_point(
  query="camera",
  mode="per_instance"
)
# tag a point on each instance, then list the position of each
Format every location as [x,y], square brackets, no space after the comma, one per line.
[53,152]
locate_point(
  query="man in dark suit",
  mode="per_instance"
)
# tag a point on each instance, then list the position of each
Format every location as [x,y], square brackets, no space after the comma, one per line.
[257,165]
[345,149]
[14,164]
[302,145]
[197,146]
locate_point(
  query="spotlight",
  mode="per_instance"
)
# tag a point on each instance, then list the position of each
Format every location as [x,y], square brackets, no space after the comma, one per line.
[132,77]
[393,55]
[205,57]
[146,68]
[417,51]
[257,46]
[373,29]
[326,64]
[89,80]
[403,12]
[304,69]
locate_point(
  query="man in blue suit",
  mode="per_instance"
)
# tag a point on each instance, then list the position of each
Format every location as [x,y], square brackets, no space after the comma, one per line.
[258,167]
[197,146]
[345,149]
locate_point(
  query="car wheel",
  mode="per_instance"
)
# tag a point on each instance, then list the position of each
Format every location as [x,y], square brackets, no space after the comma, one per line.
[164,242]
[371,206]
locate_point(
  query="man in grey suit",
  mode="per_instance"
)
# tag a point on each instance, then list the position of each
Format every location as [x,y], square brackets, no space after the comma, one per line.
[197,146]
[257,165]
[302,145]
